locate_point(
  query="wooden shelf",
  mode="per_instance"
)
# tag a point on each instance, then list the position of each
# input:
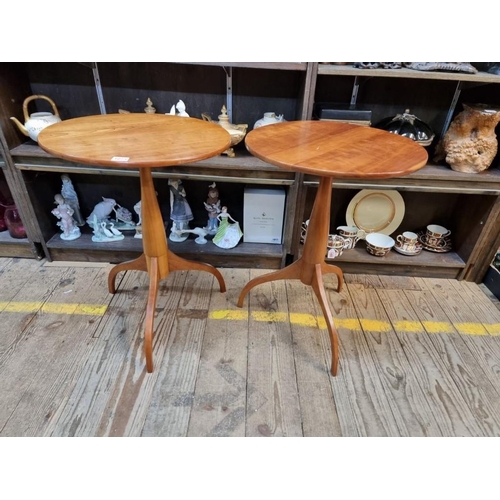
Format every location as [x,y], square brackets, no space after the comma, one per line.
[349,70]
[258,255]
[296,66]
[242,168]
[438,178]
[14,247]
[425,264]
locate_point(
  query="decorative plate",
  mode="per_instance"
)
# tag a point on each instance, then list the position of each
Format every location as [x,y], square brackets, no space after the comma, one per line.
[376,210]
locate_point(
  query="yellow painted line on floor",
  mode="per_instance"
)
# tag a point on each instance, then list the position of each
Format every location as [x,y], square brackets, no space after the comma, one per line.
[375,325]
[355,324]
[306,320]
[269,316]
[438,327]
[55,308]
[408,326]
[493,329]
[470,328]
[302,319]
[229,315]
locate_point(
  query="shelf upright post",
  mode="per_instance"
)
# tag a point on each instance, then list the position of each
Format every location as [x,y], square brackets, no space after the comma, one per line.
[98,88]
[229,92]
[355,88]
[452,107]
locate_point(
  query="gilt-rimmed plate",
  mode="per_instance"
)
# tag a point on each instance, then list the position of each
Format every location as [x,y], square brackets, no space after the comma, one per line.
[376,210]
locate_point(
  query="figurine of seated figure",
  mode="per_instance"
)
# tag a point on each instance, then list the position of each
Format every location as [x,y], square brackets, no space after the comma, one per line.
[64,213]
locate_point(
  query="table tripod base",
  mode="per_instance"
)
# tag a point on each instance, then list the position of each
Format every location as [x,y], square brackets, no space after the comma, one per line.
[312,275]
[169,263]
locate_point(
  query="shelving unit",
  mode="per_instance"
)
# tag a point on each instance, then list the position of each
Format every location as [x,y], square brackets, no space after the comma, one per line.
[434,194]
[36,164]
[9,246]
[468,203]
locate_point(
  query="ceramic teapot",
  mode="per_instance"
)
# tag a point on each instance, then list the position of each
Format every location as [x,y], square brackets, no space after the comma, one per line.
[237,132]
[268,119]
[36,122]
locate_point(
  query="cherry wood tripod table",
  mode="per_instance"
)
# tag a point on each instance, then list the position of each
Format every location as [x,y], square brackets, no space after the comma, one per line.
[331,150]
[141,141]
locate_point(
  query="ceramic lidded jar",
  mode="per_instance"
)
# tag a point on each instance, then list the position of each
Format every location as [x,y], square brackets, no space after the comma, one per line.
[268,119]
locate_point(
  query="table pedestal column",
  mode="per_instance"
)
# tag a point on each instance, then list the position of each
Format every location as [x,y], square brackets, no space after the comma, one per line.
[311,266]
[157,260]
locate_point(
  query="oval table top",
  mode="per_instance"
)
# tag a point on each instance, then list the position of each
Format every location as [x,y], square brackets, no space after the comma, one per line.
[336,149]
[134,140]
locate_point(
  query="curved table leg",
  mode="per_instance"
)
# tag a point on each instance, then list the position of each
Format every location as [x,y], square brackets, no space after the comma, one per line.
[311,266]
[157,260]
[138,264]
[319,290]
[154,279]
[177,263]
[331,269]
[287,273]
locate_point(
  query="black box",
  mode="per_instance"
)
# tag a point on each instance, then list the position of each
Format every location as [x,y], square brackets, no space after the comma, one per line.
[492,281]
[342,112]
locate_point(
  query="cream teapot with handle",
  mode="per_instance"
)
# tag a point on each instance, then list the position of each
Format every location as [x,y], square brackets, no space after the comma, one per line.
[36,122]
[237,132]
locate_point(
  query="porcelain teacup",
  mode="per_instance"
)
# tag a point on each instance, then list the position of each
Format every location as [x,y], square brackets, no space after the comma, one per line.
[436,235]
[407,241]
[352,233]
[379,244]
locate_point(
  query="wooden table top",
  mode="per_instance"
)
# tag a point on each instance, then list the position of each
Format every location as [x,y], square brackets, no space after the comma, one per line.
[334,149]
[134,140]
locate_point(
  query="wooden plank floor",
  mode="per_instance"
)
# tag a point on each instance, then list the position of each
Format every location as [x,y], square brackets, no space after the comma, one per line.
[418,357]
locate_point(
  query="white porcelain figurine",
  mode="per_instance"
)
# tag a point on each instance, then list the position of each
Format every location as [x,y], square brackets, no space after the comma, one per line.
[69,194]
[180,211]
[64,212]
[181,109]
[138,226]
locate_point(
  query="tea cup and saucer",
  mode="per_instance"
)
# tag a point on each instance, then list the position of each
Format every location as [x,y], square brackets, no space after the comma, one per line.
[436,238]
[407,243]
